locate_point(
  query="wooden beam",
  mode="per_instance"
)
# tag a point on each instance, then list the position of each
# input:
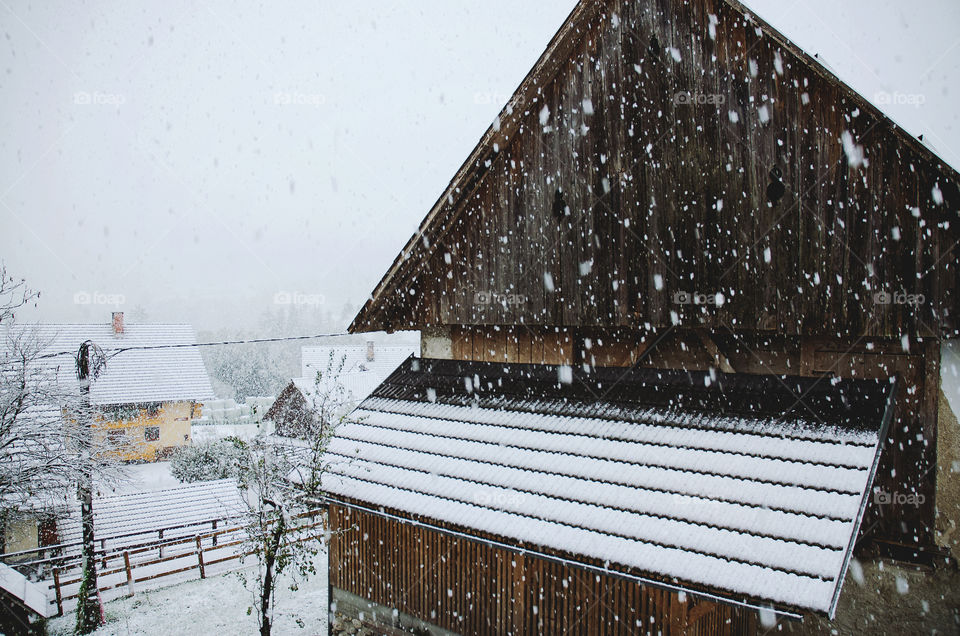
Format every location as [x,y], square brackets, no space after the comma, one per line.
[719,358]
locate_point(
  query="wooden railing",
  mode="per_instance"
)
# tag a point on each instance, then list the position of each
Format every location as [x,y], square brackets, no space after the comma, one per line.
[184,548]
[53,554]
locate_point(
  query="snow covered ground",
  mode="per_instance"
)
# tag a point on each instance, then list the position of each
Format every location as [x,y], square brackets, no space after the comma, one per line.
[217,605]
[143,477]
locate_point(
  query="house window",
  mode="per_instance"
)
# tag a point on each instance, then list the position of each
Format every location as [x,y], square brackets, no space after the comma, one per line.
[151,433]
[117,436]
[153,410]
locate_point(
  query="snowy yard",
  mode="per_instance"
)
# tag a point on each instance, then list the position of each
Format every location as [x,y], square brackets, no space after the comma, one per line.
[143,478]
[217,605]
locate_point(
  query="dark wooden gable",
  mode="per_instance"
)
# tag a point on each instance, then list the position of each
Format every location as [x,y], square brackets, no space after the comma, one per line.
[291,413]
[664,153]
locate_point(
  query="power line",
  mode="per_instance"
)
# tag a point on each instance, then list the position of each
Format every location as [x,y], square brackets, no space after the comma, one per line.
[118,350]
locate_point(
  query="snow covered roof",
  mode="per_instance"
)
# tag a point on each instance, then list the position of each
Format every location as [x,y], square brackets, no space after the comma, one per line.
[128,513]
[136,376]
[750,487]
[359,376]
[31,595]
[386,359]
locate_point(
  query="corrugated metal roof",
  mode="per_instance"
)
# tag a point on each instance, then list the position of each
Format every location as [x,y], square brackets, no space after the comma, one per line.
[136,376]
[750,485]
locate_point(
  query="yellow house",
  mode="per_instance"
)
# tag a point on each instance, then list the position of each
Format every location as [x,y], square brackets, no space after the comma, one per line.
[151,388]
[147,432]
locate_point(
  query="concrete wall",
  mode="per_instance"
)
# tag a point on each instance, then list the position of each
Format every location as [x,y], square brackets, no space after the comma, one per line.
[354,615]
[436,343]
[948,450]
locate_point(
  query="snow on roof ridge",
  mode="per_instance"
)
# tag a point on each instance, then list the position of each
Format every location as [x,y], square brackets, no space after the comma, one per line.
[31,594]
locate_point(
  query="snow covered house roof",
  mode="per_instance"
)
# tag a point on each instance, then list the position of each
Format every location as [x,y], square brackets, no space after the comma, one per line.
[133,376]
[129,513]
[298,404]
[360,375]
[748,487]
[22,591]
[386,358]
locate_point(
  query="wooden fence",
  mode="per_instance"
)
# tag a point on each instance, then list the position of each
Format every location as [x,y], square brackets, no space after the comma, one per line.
[60,553]
[118,569]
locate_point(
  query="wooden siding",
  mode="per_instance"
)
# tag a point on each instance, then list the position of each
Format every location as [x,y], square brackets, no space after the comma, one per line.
[546,345]
[471,587]
[908,462]
[649,197]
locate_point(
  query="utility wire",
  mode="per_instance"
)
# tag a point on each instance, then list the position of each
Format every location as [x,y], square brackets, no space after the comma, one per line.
[118,350]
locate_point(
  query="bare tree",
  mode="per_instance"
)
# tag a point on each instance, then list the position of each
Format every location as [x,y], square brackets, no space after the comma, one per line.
[329,404]
[36,470]
[283,482]
[14,294]
[48,447]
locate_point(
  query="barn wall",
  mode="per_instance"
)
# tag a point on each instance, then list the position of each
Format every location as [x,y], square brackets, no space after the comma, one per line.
[472,588]
[636,181]
[908,468]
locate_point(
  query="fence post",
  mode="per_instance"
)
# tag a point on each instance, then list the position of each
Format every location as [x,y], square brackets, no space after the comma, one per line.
[56,585]
[160,536]
[214,529]
[103,548]
[126,565]
[203,571]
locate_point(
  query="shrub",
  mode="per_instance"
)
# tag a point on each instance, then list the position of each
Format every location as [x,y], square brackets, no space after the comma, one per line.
[207,461]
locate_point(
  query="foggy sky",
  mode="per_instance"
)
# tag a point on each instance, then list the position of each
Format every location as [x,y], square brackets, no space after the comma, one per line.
[196,160]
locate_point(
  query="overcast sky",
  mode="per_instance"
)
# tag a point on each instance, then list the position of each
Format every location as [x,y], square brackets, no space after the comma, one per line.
[197,160]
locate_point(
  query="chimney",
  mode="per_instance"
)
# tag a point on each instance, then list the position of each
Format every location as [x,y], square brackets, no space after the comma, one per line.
[118,323]
[370,351]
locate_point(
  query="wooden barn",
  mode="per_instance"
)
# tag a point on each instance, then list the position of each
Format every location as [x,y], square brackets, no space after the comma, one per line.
[682,312]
